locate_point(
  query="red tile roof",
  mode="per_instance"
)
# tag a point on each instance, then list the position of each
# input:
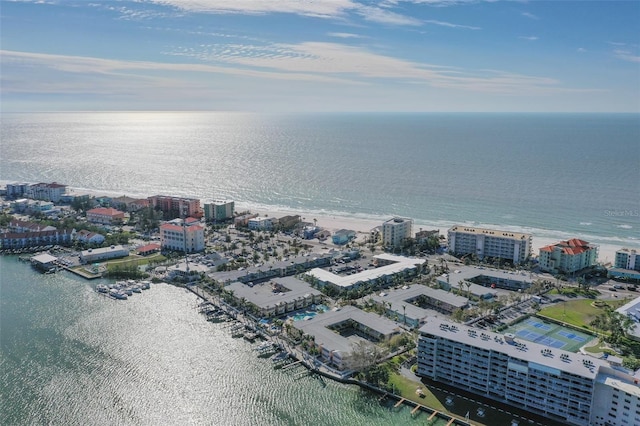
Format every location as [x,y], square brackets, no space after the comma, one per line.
[571,247]
[106,211]
[149,247]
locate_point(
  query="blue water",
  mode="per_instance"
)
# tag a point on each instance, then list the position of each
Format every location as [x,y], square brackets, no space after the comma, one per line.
[556,175]
[71,356]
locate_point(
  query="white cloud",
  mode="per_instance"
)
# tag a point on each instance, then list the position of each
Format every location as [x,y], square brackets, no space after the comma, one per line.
[530,15]
[450,25]
[359,65]
[344,35]
[530,38]
[317,8]
[384,16]
[581,49]
[626,55]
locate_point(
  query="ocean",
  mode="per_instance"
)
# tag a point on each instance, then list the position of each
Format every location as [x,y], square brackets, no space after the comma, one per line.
[70,356]
[554,175]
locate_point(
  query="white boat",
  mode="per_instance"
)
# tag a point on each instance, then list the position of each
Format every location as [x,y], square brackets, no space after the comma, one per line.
[117,294]
[101,288]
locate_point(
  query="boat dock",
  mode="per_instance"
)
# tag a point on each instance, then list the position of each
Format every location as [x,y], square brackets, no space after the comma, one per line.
[399,403]
[292,364]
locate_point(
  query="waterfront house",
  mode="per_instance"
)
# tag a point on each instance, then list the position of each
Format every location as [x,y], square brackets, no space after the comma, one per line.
[343,236]
[288,223]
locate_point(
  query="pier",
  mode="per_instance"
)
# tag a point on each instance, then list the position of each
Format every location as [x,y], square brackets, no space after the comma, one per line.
[399,403]
[292,364]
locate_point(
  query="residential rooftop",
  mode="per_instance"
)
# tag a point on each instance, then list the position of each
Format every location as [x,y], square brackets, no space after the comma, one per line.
[558,359]
[263,294]
[329,339]
[490,232]
[397,265]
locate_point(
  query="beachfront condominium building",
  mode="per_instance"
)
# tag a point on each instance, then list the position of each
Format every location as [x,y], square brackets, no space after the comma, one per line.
[567,257]
[218,210]
[16,190]
[567,387]
[175,207]
[627,259]
[511,246]
[46,191]
[395,231]
[188,239]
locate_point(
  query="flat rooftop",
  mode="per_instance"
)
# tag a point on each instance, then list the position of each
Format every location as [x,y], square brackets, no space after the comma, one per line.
[466,273]
[398,299]
[332,341]
[632,310]
[534,353]
[44,258]
[490,232]
[263,296]
[400,263]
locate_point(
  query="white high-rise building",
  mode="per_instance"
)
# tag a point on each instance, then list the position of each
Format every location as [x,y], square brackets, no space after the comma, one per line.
[396,230]
[512,246]
[567,387]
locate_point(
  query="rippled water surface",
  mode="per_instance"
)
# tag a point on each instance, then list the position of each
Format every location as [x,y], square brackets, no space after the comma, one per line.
[72,356]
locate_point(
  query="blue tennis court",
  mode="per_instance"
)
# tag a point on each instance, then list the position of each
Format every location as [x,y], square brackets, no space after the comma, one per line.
[549,334]
[571,336]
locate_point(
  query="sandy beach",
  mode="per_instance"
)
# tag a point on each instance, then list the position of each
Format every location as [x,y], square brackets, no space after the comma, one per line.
[363,227]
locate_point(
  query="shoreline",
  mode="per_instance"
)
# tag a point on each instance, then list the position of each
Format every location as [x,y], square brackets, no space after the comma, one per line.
[363,223]
[606,252]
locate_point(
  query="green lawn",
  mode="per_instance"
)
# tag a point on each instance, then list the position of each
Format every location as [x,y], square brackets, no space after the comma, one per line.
[135,261]
[577,312]
[407,389]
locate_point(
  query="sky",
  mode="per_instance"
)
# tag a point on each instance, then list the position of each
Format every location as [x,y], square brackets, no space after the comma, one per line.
[320,55]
